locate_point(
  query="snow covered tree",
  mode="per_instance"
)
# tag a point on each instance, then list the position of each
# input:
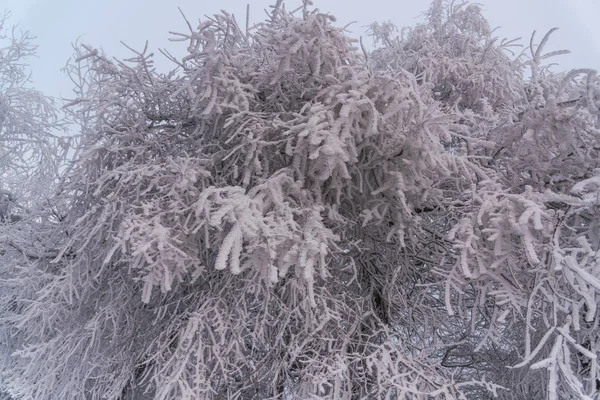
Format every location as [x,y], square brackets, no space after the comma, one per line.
[31,153]
[285,216]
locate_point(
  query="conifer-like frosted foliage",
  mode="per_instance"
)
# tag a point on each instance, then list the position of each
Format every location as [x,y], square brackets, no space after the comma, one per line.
[523,232]
[284,216]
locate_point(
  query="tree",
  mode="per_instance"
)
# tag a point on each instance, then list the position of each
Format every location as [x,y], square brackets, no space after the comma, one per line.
[30,125]
[283,216]
[31,154]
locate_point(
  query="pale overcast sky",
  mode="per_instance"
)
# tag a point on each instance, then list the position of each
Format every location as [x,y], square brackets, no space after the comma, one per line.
[104,23]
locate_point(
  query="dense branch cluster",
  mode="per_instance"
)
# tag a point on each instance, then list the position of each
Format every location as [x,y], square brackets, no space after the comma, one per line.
[284,216]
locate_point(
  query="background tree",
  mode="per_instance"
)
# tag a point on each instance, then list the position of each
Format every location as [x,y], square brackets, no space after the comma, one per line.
[29,122]
[283,216]
[33,147]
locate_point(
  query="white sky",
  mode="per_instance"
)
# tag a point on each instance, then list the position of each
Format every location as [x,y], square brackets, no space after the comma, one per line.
[104,23]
